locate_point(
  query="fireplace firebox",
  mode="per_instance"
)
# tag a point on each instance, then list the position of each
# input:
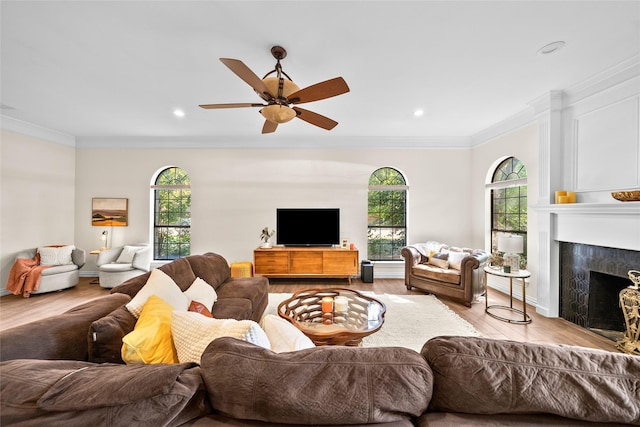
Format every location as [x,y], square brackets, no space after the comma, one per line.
[591,278]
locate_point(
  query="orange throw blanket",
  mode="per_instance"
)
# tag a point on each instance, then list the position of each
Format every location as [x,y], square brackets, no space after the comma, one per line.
[25,275]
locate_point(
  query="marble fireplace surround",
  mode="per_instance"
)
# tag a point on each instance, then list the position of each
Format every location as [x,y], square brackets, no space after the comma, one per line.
[609,225]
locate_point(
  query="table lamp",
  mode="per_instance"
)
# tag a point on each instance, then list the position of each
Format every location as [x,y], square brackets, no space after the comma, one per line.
[105,239]
[511,245]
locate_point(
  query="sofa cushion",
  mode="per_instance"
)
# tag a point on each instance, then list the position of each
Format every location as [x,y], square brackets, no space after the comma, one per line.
[192,333]
[439,259]
[283,336]
[116,268]
[446,275]
[56,255]
[163,286]
[198,307]
[455,259]
[127,253]
[212,268]
[202,292]
[321,385]
[106,333]
[486,376]
[54,392]
[150,341]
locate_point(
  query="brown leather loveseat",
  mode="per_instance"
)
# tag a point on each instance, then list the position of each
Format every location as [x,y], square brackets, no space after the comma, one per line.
[447,271]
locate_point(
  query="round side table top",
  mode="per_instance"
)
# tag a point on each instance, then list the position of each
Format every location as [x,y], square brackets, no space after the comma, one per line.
[520,274]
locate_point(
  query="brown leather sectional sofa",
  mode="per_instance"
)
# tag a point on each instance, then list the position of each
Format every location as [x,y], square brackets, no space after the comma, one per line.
[47,378]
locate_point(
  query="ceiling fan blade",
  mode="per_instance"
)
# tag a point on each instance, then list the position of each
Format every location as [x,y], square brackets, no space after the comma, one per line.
[315,118]
[245,73]
[322,90]
[235,105]
[269,127]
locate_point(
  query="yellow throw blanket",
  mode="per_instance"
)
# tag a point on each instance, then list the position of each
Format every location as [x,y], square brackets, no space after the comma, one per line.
[25,275]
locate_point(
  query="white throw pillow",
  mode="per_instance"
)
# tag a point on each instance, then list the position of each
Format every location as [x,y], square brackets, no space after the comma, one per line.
[164,287]
[202,292]
[56,255]
[283,336]
[455,259]
[127,254]
[192,332]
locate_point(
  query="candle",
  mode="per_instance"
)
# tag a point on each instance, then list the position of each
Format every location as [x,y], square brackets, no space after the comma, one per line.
[352,246]
[560,194]
[327,304]
[341,304]
[572,196]
[563,199]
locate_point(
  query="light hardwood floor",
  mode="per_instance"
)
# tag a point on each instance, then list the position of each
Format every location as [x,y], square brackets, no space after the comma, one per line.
[15,310]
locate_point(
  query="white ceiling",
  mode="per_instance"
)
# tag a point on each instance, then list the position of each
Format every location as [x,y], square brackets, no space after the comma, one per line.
[116,70]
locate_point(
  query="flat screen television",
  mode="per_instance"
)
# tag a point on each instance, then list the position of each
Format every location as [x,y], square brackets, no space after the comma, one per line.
[308,226]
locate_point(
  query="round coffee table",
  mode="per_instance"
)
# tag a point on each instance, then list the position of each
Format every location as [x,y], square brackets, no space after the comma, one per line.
[363,316]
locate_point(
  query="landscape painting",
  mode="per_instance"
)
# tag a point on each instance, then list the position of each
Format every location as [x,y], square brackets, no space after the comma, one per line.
[109,212]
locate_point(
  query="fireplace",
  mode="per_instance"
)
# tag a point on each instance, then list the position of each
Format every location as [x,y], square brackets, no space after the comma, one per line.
[591,277]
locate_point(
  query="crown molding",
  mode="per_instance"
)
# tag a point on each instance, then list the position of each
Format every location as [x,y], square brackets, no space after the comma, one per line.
[274,142]
[35,131]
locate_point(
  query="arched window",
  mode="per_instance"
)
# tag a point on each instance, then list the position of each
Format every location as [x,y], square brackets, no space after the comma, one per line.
[387,215]
[509,202]
[171,214]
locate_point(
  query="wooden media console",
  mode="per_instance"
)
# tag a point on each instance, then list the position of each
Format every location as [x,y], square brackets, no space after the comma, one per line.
[298,262]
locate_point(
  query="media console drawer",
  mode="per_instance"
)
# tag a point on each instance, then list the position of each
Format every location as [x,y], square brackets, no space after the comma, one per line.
[283,262]
[271,262]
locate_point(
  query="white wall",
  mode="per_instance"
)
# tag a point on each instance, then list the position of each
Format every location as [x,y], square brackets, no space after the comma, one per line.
[521,143]
[37,196]
[235,192]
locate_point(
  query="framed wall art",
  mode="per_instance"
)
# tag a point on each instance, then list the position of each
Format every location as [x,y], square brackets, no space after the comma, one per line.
[109,212]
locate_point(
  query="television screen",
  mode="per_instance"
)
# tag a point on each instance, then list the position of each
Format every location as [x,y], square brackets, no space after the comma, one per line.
[308,226]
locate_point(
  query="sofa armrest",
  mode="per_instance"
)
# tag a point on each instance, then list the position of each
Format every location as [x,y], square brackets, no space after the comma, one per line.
[411,255]
[108,256]
[79,257]
[142,258]
[63,336]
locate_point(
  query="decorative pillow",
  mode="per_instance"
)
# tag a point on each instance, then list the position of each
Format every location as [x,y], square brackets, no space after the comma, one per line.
[56,255]
[198,307]
[127,254]
[283,336]
[440,260]
[193,332]
[455,259]
[164,287]
[325,385]
[150,341]
[202,292]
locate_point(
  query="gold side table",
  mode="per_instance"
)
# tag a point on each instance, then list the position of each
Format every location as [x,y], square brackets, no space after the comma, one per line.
[520,274]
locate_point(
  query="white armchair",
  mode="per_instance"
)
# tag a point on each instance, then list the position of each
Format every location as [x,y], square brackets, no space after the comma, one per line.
[119,264]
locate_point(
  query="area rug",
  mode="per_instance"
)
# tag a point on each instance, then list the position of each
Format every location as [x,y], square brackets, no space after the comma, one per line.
[410,320]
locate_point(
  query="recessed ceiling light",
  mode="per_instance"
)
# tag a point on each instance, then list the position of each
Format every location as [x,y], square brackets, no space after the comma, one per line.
[178,113]
[418,113]
[551,47]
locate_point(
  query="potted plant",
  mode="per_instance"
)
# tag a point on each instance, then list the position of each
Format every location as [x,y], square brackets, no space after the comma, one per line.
[265,235]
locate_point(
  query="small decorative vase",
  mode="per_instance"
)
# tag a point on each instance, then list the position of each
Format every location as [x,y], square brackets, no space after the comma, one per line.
[266,245]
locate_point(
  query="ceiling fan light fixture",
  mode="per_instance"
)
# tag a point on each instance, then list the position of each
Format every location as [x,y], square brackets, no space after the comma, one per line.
[288,87]
[278,113]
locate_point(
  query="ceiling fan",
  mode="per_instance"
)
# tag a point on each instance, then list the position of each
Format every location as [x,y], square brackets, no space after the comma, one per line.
[282,95]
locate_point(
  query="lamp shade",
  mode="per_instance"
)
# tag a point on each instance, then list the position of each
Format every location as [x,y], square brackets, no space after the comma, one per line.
[510,244]
[278,113]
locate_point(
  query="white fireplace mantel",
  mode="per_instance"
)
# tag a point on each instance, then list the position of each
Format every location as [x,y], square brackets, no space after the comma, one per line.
[614,225]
